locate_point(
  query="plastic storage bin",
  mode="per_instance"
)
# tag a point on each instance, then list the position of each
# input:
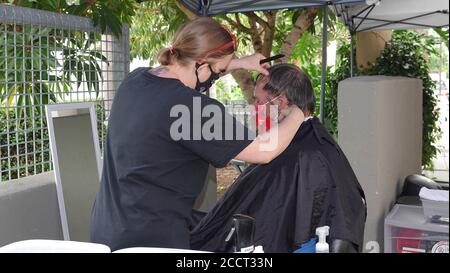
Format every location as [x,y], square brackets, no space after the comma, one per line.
[432,208]
[407,230]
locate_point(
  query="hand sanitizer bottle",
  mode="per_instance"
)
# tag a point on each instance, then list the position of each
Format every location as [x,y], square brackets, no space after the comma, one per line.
[322,246]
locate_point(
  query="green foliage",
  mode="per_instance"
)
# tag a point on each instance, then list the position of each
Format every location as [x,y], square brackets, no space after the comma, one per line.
[34,59]
[438,63]
[153,27]
[406,55]
[41,66]
[334,75]
[236,93]
[307,53]
[104,13]
[21,139]
[443,34]
[223,95]
[35,53]
[29,145]
[340,73]
[284,23]
[308,49]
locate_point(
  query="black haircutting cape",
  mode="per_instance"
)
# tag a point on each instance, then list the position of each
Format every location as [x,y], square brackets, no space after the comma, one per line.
[311,184]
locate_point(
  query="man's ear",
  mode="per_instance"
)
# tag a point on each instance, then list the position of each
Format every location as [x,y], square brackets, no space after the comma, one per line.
[284,102]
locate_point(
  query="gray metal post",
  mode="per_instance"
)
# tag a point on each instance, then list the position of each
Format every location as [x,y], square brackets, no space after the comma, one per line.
[352,53]
[324,63]
[205,7]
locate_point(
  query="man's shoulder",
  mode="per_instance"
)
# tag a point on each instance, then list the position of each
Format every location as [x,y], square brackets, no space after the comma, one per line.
[314,142]
[321,131]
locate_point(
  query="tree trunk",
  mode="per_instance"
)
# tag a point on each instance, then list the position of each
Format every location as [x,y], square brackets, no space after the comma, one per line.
[245,82]
[261,44]
[303,22]
[269,32]
[255,34]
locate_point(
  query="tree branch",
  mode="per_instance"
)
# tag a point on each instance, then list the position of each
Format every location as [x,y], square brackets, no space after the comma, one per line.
[258,19]
[235,24]
[269,33]
[190,15]
[243,77]
[245,82]
[255,35]
[238,20]
[303,22]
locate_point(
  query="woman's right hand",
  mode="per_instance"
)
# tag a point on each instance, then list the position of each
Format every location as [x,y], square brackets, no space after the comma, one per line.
[250,63]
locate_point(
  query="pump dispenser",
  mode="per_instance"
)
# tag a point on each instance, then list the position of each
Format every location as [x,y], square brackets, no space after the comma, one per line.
[322,246]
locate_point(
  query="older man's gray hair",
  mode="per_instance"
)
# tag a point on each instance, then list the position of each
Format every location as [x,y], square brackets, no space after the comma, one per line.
[294,83]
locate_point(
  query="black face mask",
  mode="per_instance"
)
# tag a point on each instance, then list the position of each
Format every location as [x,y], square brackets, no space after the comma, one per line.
[204,86]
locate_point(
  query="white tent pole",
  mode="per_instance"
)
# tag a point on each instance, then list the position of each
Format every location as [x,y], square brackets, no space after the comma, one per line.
[324,63]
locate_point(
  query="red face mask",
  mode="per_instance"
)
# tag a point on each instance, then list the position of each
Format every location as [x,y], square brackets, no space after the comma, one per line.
[262,119]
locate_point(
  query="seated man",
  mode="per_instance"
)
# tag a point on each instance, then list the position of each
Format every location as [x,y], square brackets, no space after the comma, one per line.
[311,184]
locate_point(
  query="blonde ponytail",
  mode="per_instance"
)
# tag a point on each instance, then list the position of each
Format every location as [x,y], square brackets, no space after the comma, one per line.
[195,40]
[165,56]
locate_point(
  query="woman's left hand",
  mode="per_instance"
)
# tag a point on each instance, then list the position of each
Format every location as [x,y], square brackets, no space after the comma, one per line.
[250,63]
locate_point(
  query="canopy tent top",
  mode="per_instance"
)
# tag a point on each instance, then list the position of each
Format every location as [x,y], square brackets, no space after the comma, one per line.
[358,15]
[395,14]
[215,7]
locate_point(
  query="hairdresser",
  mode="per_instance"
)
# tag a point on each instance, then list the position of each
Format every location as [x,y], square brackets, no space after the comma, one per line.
[151,176]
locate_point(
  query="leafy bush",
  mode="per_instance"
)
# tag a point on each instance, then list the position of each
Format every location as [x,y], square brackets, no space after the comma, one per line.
[225,96]
[35,57]
[31,137]
[406,55]
[340,72]
[107,14]
[27,137]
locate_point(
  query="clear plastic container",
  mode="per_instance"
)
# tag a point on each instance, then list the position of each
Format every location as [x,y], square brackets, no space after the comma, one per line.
[407,230]
[406,240]
[432,208]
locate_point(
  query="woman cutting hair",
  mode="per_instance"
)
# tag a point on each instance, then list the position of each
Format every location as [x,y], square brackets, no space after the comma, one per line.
[150,178]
